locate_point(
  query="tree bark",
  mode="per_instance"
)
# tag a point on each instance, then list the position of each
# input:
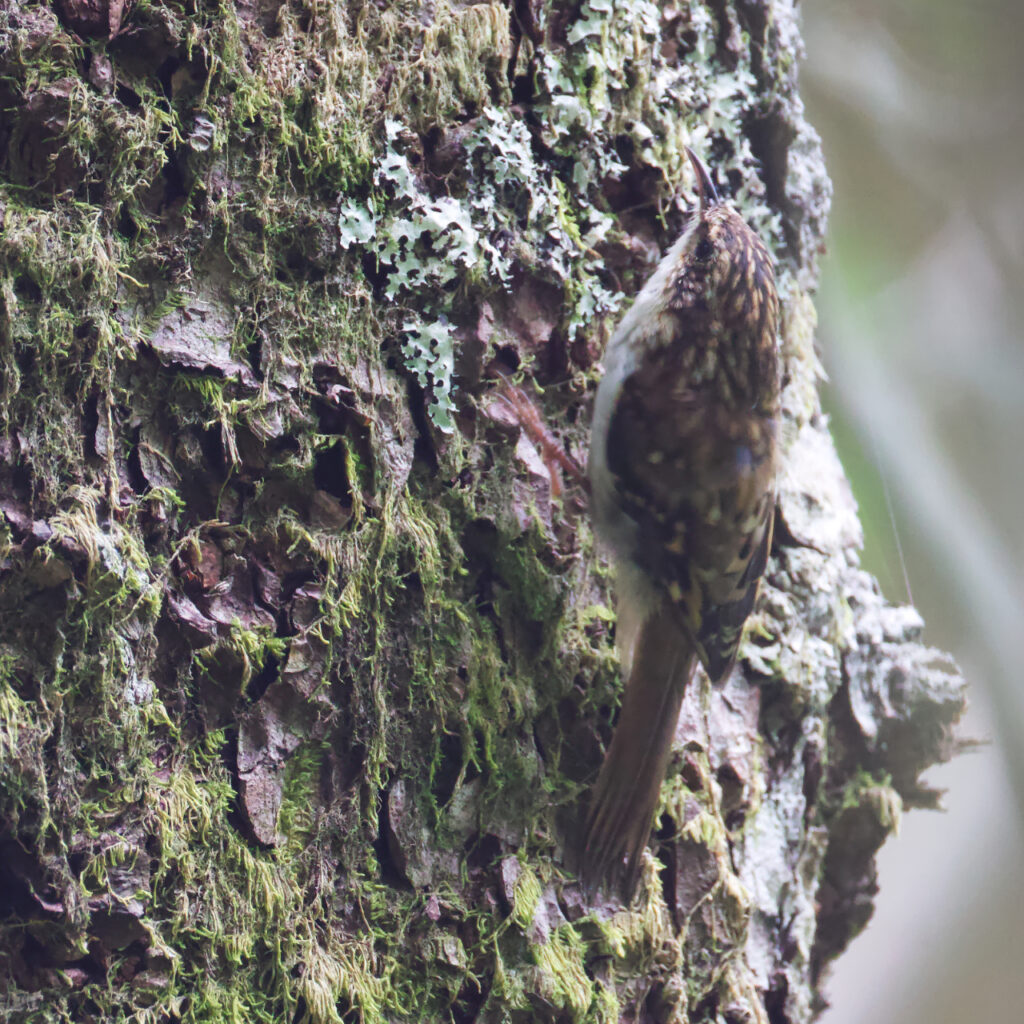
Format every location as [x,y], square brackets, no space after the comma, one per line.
[306,657]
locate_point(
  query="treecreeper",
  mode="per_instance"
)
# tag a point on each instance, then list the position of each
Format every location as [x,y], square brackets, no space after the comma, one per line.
[682,475]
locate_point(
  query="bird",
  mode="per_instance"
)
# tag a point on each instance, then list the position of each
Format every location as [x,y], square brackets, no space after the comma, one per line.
[681,468]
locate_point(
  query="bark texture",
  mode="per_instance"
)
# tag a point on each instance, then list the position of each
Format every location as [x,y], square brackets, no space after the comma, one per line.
[304,663]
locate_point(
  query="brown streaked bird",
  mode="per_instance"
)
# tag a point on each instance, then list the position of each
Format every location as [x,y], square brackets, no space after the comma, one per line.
[682,474]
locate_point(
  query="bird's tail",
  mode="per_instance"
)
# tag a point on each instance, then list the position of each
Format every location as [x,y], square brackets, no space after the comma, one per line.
[625,796]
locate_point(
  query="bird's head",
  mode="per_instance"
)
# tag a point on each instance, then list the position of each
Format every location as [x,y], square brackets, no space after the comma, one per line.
[723,265]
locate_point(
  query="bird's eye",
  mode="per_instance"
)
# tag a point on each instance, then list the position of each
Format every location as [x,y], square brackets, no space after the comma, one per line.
[704,251]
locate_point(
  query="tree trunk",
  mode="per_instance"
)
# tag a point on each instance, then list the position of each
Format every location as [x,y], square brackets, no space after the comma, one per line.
[306,658]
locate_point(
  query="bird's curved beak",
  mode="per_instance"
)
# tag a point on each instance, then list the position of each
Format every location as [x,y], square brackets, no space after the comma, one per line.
[705,186]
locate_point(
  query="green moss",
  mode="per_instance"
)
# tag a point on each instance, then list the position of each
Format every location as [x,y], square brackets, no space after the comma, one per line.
[561,960]
[876,796]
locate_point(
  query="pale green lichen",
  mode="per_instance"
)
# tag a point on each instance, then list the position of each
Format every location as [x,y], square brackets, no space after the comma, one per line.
[430,249]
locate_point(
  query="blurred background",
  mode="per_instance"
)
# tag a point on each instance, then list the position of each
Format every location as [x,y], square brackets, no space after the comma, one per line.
[921,310]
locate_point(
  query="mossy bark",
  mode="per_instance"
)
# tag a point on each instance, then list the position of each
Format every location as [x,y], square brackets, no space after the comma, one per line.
[305,662]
